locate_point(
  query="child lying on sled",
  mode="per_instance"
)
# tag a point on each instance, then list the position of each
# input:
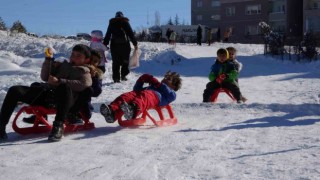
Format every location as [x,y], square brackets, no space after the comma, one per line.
[133,103]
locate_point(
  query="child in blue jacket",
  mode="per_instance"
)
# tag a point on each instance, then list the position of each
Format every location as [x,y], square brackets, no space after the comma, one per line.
[142,98]
[223,74]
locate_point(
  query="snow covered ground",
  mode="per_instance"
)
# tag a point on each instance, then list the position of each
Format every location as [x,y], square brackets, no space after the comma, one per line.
[274,135]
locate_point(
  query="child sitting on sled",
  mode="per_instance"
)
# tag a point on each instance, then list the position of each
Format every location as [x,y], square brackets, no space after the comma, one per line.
[223,75]
[133,103]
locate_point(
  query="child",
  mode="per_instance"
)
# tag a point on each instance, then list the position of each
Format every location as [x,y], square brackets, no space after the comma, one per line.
[223,74]
[96,43]
[64,82]
[232,56]
[83,103]
[142,98]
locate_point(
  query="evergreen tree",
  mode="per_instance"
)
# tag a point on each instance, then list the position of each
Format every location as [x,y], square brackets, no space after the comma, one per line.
[170,21]
[19,27]
[176,20]
[3,26]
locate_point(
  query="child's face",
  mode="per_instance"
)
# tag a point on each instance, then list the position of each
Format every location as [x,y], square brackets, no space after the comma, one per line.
[168,81]
[222,57]
[95,61]
[78,58]
[232,54]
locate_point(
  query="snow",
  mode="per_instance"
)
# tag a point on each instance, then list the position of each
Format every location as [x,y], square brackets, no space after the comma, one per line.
[274,135]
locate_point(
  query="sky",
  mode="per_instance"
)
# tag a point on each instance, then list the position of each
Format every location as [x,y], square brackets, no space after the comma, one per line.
[68,17]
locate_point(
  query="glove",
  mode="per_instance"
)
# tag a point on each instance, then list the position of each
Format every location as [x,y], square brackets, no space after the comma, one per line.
[220,78]
[147,78]
[48,52]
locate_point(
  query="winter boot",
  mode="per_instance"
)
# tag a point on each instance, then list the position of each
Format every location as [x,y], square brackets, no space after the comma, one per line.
[124,79]
[56,132]
[74,118]
[129,110]
[3,135]
[107,113]
[31,119]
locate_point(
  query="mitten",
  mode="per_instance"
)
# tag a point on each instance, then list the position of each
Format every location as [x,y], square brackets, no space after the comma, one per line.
[155,82]
[220,78]
[48,52]
[145,78]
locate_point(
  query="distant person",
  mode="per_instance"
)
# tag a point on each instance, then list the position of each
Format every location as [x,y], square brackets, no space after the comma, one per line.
[96,44]
[209,36]
[168,34]
[120,33]
[223,74]
[226,35]
[173,37]
[135,102]
[199,35]
[218,35]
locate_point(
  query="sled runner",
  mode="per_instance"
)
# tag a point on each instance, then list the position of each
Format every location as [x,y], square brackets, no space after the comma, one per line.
[41,125]
[163,121]
[215,94]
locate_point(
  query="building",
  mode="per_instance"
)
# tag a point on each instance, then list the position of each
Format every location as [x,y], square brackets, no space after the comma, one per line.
[311,16]
[240,18]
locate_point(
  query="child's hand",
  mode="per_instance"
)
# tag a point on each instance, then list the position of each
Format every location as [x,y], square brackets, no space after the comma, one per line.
[53,81]
[145,78]
[48,52]
[220,78]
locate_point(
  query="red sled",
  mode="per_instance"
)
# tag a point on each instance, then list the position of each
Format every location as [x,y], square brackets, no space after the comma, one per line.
[162,121]
[215,94]
[41,125]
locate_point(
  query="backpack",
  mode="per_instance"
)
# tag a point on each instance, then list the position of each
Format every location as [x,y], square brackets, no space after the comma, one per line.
[121,37]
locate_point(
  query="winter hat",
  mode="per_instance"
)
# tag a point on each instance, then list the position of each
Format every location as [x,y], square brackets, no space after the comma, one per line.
[223,51]
[119,14]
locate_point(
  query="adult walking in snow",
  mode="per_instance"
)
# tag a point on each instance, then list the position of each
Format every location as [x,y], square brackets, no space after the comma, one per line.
[199,35]
[120,34]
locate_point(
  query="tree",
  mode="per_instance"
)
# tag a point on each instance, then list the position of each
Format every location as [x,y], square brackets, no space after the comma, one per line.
[170,21]
[3,26]
[176,20]
[18,27]
[157,18]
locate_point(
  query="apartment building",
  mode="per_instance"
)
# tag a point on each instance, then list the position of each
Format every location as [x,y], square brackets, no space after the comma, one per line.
[241,17]
[311,16]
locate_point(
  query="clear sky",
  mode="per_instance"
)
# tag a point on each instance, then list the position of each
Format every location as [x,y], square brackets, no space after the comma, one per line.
[68,17]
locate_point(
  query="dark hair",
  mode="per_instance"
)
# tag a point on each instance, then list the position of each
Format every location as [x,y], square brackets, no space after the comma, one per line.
[231,49]
[176,80]
[119,14]
[83,49]
[222,51]
[95,53]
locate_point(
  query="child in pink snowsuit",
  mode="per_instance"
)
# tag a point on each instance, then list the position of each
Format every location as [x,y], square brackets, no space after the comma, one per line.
[142,98]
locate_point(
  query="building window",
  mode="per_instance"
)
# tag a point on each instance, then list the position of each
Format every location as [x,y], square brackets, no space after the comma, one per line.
[215,3]
[199,3]
[316,5]
[253,9]
[216,17]
[252,30]
[199,17]
[230,11]
[313,24]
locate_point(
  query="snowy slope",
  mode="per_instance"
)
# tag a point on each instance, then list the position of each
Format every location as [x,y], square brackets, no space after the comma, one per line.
[275,135]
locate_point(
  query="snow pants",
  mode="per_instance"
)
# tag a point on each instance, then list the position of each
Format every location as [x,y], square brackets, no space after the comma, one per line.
[144,100]
[233,87]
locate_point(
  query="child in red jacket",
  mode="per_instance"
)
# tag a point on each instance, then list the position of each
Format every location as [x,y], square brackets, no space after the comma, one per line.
[142,98]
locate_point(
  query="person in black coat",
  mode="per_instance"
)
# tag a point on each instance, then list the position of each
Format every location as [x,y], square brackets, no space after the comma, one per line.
[199,35]
[120,34]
